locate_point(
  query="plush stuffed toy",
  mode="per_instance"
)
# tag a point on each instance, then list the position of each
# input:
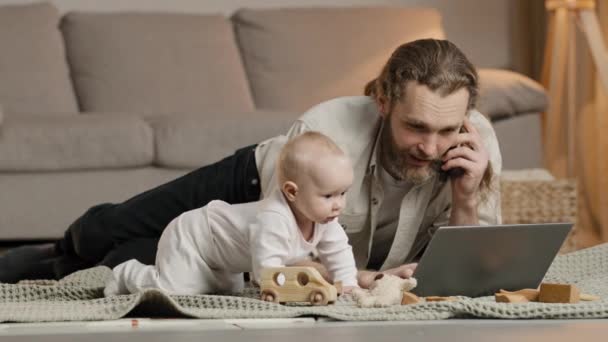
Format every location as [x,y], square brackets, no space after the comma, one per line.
[386,290]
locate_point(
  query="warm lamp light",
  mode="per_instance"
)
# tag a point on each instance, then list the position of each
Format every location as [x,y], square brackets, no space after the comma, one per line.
[564,16]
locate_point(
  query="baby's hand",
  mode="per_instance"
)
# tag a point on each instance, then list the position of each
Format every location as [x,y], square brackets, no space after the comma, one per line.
[349,289]
[404,271]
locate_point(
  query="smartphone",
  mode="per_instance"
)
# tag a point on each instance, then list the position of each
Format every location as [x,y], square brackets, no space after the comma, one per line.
[453,172]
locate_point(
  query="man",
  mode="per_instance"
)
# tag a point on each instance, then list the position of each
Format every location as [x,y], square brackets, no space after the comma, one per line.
[416,123]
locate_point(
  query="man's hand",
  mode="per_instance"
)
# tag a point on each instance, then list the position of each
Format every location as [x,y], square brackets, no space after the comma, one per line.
[473,158]
[348,289]
[366,278]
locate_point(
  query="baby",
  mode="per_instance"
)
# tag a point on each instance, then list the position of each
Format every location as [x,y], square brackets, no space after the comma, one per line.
[206,250]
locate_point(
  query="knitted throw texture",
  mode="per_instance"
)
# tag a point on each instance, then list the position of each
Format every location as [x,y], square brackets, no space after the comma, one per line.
[79,297]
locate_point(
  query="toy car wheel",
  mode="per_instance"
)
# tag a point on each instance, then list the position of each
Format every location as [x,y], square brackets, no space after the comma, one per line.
[318,298]
[270,296]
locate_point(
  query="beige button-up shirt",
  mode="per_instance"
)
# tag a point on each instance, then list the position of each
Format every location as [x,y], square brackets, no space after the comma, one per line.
[354,123]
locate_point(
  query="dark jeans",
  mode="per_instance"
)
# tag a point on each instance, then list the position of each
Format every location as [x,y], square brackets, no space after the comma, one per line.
[108,234]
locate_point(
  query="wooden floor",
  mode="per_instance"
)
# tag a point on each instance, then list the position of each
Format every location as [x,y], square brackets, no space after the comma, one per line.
[309,329]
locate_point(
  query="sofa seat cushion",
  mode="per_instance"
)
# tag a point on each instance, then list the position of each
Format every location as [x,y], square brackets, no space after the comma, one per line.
[42,143]
[41,205]
[296,58]
[520,141]
[155,62]
[504,94]
[34,73]
[192,141]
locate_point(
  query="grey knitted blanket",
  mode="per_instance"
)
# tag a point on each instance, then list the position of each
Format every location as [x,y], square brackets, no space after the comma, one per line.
[80,297]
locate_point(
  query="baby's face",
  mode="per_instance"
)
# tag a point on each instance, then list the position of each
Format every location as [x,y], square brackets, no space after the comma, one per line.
[321,196]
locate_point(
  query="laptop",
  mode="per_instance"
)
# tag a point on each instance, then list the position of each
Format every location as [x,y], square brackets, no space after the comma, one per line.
[478,261]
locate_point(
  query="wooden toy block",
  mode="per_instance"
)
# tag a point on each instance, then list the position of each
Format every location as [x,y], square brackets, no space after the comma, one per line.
[440,299]
[296,284]
[588,298]
[558,293]
[510,298]
[530,294]
[409,298]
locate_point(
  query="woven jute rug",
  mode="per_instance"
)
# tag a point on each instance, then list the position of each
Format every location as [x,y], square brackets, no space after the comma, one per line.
[80,297]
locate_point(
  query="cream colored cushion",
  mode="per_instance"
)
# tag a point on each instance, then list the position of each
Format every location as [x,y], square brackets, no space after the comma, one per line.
[296,58]
[504,93]
[520,141]
[42,205]
[191,142]
[42,143]
[155,63]
[34,75]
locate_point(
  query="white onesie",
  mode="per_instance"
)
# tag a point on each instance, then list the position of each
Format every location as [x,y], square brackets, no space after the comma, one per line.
[206,250]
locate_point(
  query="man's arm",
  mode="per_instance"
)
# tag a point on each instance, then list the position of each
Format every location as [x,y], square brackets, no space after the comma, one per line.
[464,212]
[472,157]
[364,277]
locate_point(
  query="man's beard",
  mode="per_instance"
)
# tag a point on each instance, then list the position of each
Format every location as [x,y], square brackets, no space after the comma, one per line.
[395,162]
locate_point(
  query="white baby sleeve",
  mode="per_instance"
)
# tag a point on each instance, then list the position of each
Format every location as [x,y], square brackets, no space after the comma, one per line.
[337,255]
[270,242]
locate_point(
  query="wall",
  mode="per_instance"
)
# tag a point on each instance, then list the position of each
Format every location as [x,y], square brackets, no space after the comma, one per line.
[482,28]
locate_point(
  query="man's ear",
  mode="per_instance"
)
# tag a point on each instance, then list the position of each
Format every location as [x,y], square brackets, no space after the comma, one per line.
[383,107]
[290,190]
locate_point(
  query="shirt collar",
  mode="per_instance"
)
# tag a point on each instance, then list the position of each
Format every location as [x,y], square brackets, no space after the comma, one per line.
[371,168]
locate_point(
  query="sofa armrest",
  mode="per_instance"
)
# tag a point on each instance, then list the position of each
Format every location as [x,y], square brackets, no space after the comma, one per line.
[504,94]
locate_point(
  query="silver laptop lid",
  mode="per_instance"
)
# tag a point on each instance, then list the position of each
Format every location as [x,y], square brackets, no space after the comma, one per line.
[480,260]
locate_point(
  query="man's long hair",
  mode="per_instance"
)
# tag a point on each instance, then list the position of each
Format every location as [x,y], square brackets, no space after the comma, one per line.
[437,64]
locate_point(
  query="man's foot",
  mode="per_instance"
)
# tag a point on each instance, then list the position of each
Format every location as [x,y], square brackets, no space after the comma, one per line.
[27,262]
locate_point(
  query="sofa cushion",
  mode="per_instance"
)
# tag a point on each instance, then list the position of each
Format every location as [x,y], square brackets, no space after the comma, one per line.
[151,63]
[296,58]
[42,143]
[520,140]
[189,142]
[34,74]
[504,93]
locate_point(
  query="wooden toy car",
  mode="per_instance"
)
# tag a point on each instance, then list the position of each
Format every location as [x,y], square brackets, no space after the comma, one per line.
[296,284]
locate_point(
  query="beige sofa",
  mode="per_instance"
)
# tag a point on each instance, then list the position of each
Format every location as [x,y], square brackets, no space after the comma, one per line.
[100,106]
